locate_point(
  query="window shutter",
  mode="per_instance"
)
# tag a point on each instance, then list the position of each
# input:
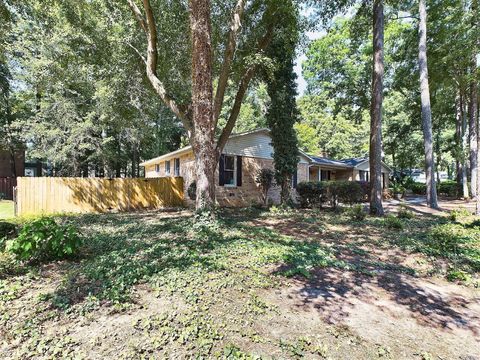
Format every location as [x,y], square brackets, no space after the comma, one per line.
[295,179]
[239,171]
[221,170]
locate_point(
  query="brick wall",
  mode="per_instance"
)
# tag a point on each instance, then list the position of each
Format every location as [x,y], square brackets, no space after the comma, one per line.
[247,194]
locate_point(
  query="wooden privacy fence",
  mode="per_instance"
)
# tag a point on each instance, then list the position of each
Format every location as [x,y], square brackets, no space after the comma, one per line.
[6,187]
[48,195]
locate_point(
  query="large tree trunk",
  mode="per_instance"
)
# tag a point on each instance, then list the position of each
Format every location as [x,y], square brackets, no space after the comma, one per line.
[473,131]
[203,131]
[376,207]
[426,108]
[461,144]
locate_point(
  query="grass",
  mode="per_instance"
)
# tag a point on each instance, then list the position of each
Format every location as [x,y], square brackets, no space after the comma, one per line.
[208,280]
[6,209]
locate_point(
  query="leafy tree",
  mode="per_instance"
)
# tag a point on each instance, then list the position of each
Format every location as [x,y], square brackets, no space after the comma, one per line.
[199,108]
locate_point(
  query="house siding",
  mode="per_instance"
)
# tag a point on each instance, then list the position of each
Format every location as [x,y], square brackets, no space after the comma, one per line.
[257,145]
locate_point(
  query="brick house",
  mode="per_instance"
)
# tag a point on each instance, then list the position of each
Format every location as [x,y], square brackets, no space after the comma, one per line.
[243,156]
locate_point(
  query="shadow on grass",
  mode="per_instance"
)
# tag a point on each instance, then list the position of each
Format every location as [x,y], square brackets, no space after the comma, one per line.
[124,250]
[334,278]
[114,261]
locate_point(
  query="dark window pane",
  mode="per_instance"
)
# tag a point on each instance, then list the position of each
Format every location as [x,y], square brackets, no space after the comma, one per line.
[229,177]
[229,162]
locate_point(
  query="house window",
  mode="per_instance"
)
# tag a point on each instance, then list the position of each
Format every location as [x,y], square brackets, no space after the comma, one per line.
[157,168]
[364,176]
[176,169]
[167,167]
[229,170]
[325,175]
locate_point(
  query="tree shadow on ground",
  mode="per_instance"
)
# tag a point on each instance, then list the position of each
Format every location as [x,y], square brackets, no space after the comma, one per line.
[334,294]
[113,262]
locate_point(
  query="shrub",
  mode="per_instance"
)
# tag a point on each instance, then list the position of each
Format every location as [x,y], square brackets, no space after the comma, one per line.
[365,186]
[448,188]
[44,239]
[418,188]
[2,196]
[356,213]
[192,190]
[7,230]
[447,238]
[455,214]
[311,193]
[348,192]
[265,178]
[393,222]
[405,213]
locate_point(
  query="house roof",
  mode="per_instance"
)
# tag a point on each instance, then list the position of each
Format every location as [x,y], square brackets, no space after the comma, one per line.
[189,147]
[354,161]
[315,160]
[330,162]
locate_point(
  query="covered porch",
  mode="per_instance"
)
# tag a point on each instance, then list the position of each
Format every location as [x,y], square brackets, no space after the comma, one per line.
[326,173]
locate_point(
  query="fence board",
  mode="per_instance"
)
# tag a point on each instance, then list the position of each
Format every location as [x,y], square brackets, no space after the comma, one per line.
[48,195]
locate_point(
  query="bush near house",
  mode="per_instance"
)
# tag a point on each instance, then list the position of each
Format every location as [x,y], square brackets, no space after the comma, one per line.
[311,193]
[315,193]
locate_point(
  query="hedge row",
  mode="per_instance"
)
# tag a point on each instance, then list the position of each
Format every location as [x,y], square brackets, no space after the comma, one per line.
[316,193]
[446,188]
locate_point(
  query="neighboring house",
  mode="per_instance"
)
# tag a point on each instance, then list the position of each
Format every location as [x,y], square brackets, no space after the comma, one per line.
[243,156]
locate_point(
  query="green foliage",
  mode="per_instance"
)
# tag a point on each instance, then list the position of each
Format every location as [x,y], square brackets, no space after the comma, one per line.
[397,188]
[418,188]
[356,213]
[405,213]
[459,213]
[45,239]
[347,192]
[447,188]
[7,230]
[266,179]
[192,190]
[393,222]
[315,193]
[282,112]
[448,238]
[311,193]
[335,136]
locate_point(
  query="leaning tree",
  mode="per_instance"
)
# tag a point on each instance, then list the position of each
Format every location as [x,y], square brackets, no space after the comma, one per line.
[195,51]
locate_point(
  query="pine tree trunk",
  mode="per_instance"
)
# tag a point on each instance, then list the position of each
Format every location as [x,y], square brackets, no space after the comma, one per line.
[203,132]
[472,113]
[426,108]
[461,144]
[376,207]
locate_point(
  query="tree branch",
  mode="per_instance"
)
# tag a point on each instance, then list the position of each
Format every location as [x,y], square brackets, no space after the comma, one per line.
[242,89]
[228,58]
[138,14]
[149,26]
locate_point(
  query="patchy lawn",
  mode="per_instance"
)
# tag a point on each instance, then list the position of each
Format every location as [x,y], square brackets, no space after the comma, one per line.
[6,209]
[259,284]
